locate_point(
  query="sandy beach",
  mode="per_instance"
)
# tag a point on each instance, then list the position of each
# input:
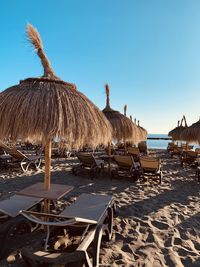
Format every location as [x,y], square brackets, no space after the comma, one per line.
[154,226]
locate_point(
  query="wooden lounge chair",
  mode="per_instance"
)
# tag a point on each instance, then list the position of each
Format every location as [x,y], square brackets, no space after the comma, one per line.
[143,147]
[24,160]
[88,163]
[176,151]
[74,236]
[12,224]
[151,166]
[189,157]
[133,151]
[125,167]
[171,146]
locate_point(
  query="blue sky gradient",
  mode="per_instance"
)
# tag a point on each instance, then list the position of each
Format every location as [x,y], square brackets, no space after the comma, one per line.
[147,51]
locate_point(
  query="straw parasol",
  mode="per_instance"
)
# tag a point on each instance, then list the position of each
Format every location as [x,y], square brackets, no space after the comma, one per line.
[123,128]
[192,133]
[39,109]
[176,132]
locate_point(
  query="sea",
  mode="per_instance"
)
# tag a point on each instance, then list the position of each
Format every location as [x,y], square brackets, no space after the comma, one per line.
[161,144]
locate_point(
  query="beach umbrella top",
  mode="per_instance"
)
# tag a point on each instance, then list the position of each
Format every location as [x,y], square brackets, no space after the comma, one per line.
[122,127]
[192,133]
[39,109]
[177,131]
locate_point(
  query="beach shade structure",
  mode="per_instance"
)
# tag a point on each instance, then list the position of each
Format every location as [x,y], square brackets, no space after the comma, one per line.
[176,132]
[192,133]
[40,109]
[122,127]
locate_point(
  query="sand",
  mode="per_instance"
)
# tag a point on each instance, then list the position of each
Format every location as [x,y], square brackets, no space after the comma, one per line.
[154,226]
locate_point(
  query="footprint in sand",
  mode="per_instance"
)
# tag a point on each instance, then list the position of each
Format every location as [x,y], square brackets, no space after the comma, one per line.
[160,225]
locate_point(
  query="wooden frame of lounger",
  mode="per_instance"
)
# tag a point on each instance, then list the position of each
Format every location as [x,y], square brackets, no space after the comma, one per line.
[11,219]
[87,160]
[189,157]
[25,160]
[91,235]
[151,167]
[125,163]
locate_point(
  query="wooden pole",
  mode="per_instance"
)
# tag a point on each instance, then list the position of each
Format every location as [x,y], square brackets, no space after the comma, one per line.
[47,175]
[109,159]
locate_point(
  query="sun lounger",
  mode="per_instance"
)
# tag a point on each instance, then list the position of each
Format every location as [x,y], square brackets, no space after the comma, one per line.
[125,167]
[18,157]
[133,151]
[89,163]
[189,157]
[151,167]
[80,227]
[176,151]
[11,221]
[143,147]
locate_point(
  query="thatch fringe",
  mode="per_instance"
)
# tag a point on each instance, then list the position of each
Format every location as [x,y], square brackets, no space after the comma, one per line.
[192,134]
[131,118]
[34,37]
[177,131]
[37,111]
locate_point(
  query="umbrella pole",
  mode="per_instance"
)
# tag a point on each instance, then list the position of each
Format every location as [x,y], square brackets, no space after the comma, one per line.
[109,159]
[47,175]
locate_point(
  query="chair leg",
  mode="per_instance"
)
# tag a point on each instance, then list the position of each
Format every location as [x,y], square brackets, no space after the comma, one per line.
[97,244]
[109,223]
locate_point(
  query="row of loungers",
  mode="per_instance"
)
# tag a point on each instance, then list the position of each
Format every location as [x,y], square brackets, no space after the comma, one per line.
[127,165]
[72,236]
[13,156]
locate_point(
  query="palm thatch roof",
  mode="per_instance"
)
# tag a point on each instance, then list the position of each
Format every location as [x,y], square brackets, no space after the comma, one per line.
[39,109]
[122,127]
[177,131]
[192,133]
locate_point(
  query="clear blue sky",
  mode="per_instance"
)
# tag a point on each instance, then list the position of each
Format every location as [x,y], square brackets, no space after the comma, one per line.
[147,50]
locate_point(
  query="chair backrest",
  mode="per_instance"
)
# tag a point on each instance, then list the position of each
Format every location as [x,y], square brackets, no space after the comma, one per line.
[134,151]
[190,153]
[16,154]
[142,147]
[150,163]
[124,161]
[85,158]
[197,150]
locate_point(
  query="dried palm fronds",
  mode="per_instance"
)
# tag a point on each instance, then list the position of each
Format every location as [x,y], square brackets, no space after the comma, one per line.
[176,132]
[122,127]
[192,133]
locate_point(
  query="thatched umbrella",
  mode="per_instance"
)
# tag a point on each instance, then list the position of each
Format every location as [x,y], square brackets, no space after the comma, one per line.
[192,133]
[176,132]
[39,109]
[123,128]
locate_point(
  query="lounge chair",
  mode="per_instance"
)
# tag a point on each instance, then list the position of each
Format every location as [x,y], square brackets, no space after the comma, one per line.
[176,151]
[133,151]
[18,157]
[73,236]
[189,157]
[143,148]
[125,167]
[88,163]
[150,166]
[171,146]
[12,224]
